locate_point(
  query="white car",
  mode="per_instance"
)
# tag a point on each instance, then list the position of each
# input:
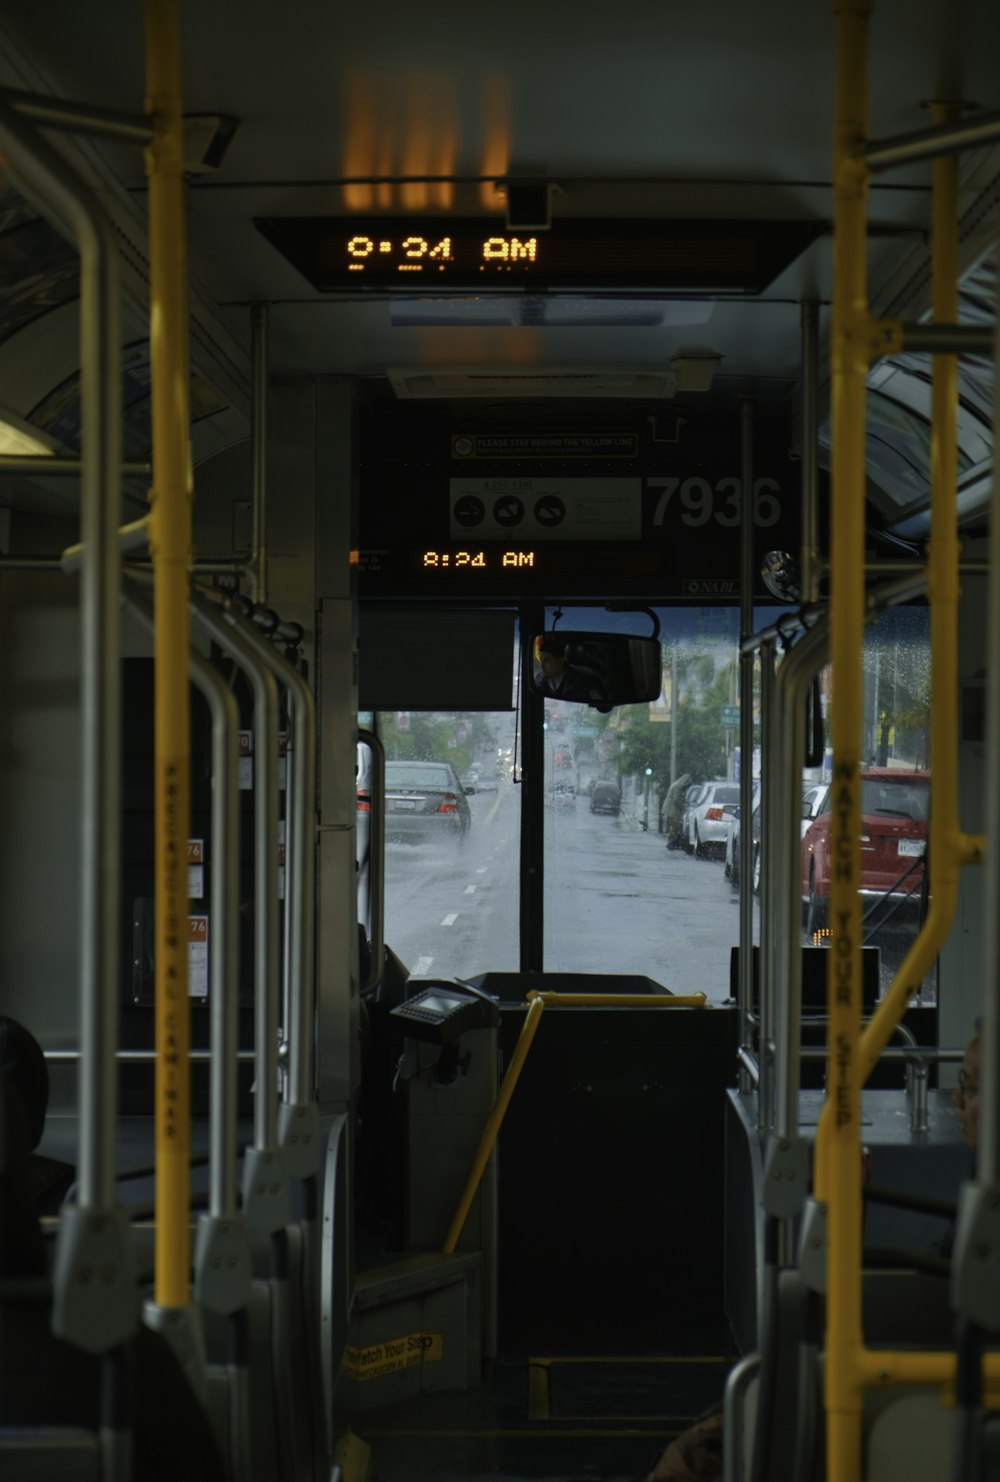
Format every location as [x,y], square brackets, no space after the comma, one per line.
[709,818]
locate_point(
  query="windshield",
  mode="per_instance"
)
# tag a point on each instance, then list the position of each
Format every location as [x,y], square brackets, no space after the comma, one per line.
[640,877]
[623,893]
[451,878]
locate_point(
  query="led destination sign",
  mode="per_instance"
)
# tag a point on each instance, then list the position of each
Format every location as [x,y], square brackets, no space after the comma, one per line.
[450,565]
[354,254]
[479,560]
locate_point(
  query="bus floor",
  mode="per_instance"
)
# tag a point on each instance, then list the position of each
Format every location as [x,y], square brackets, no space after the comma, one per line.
[544,1419]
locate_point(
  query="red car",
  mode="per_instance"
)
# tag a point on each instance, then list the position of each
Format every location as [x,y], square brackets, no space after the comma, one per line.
[894,810]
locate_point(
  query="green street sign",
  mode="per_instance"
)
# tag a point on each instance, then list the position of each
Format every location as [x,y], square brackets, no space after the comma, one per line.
[730,717]
[585,733]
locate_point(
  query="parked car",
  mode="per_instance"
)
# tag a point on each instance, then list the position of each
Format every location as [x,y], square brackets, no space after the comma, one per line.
[813,803]
[733,847]
[709,818]
[692,798]
[424,801]
[894,811]
[606,797]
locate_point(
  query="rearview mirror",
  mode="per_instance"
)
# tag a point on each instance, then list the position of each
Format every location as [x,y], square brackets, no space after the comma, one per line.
[597,669]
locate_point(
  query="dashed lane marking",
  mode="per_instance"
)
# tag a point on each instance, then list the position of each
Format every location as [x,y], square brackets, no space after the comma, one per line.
[450,919]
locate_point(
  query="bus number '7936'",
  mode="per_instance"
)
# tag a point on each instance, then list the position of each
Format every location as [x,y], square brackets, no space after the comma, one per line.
[701,502]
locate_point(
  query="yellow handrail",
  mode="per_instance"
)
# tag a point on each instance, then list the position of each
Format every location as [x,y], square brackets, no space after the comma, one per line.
[850,1367]
[496,1116]
[949,848]
[840,1162]
[170,541]
[619,1000]
[537,1001]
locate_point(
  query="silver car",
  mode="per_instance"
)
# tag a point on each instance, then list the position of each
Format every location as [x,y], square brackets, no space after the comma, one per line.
[424,801]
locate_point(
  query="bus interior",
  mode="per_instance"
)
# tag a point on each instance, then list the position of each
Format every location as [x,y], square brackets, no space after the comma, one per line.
[500,660]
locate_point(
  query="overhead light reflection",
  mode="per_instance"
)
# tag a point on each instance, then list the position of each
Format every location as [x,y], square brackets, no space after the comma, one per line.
[496,138]
[399,127]
[360,142]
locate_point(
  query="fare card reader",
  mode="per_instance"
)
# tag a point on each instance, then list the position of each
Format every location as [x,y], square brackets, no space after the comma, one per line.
[441,1011]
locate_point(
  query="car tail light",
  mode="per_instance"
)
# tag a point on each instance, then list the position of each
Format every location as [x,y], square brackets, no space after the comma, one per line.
[715,814]
[364,803]
[448,804]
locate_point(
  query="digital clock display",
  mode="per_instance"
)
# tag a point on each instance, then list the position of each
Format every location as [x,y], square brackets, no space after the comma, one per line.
[480,560]
[354,253]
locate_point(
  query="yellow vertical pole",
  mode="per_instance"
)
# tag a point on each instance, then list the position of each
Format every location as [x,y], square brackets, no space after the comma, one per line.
[841,1163]
[949,848]
[170,540]
[945,845]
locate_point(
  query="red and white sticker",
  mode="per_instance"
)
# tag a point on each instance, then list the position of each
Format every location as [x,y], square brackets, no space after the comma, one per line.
[197,956]
[196,869]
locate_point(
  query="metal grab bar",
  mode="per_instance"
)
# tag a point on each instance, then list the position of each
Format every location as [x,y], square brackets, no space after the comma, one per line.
[36,463]
[222,1255]
[298,1119]
[224,939]
[140,1057]
[105,1315]
[919,1059]
[747,1061]
[266,1194]
[131,537]
[794,677]
[376,858]
[82,118]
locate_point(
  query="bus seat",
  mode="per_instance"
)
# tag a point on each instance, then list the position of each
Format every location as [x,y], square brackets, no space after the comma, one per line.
[911,1436]
[22,1251]
[50,1390]
[22,1063]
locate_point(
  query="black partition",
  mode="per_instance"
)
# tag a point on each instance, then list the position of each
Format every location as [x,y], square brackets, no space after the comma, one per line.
[611,1212]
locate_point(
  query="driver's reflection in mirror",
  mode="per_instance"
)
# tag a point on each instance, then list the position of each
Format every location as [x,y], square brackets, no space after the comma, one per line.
[562,671]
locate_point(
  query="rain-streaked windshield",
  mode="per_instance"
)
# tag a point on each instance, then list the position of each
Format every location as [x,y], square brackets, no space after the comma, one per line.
[640,874]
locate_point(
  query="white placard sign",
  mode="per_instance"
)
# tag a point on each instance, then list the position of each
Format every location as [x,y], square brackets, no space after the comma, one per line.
[545,509]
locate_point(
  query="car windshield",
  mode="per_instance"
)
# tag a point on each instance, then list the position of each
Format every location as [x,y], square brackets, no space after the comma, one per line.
[417,774]
[903,799]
